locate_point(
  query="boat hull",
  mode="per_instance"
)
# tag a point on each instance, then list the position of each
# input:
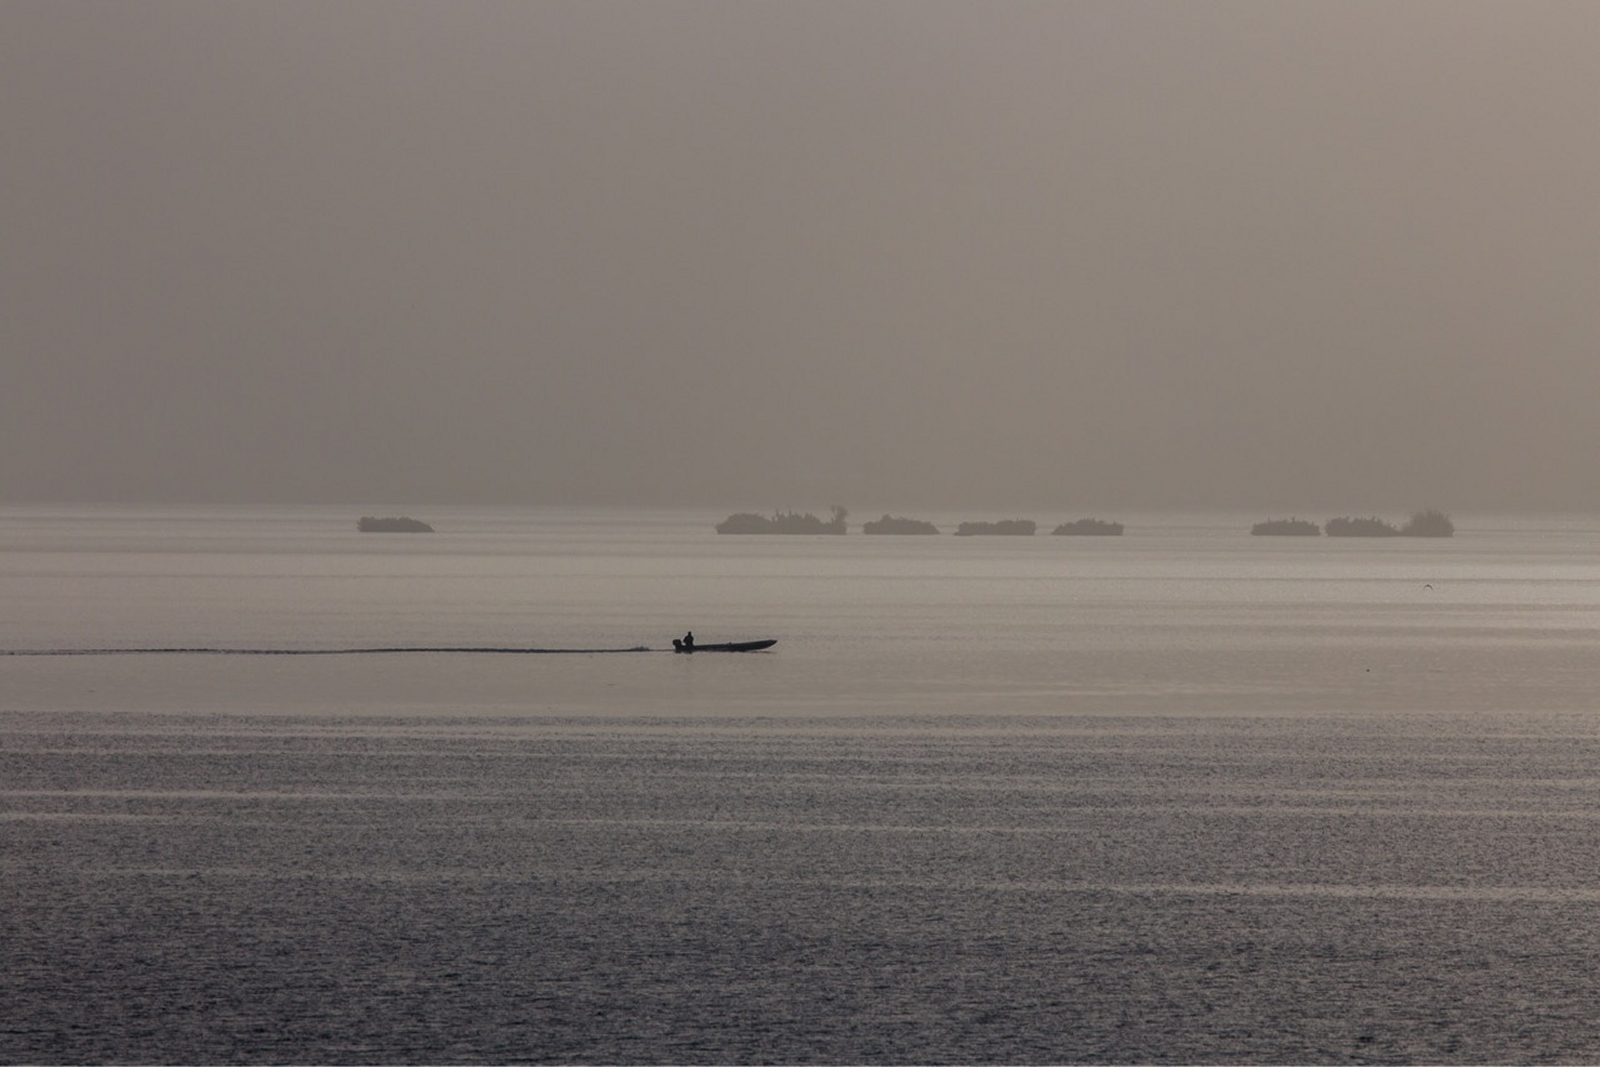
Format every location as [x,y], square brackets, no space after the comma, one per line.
[726,646]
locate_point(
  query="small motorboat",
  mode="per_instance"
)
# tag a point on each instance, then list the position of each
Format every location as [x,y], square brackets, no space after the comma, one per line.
[726,646]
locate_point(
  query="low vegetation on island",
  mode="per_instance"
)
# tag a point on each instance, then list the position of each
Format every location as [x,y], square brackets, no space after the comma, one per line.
[893,525]
[1368,527]
[1089,528]
[783,522]
[1005,527]
[1286,528]
[1429,523]
[392,524]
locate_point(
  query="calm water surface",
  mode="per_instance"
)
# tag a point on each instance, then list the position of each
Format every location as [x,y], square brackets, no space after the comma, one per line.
[1180,796]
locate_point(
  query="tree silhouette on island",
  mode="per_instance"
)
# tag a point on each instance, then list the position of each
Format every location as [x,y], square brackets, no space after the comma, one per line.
[1286,528]
[893,525]
[1005,527]
[1089,528]
[1427,523]
[783,522]
[392,524]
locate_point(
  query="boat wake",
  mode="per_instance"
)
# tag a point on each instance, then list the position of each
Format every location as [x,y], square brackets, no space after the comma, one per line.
[377,651]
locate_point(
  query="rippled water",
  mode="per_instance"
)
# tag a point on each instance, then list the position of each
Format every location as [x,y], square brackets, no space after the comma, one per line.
[1177,797]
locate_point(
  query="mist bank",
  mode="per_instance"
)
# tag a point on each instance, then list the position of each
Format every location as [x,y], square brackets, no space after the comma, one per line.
[1317,257]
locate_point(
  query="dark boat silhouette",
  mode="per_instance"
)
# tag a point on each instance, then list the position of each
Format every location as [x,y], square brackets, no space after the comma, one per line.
[725,646]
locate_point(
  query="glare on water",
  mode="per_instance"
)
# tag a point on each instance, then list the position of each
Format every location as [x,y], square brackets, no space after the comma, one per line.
[1180,795]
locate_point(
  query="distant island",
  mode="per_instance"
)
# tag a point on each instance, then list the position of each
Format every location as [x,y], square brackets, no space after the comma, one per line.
[1008,527]
[1369,527]
[1286,528]
[1089,528]
[392,524]
[783,522]
[1428,523]
[892,525]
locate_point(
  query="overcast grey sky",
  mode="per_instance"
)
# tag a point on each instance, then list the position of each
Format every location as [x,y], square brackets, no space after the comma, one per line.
[1339,257]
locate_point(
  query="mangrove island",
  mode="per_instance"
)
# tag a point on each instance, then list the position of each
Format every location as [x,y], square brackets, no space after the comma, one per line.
[1089,528]
[392,524]
[1428,523]
[894,525]
[1005,527]
[783,522]
[1368,527]
[1286,528]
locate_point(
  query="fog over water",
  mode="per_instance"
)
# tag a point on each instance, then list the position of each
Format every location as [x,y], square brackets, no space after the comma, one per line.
[1332,256]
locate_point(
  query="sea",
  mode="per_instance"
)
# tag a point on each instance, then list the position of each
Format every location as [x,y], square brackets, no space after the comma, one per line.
[276,791]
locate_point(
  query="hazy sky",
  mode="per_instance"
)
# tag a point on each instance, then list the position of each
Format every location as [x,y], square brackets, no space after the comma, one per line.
[1335,257]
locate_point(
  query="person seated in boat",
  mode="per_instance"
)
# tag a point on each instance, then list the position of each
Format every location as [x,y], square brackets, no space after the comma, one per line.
[688,641]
